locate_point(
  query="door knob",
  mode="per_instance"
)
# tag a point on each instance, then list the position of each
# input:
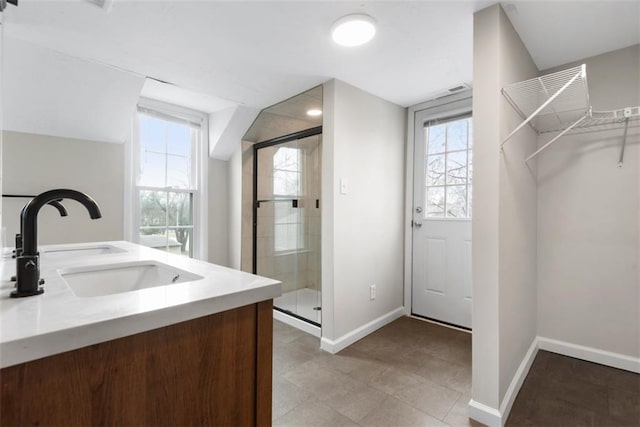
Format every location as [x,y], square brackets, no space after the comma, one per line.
[417,224]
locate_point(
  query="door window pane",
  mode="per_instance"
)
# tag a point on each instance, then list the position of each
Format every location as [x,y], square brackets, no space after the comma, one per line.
[435,170]
[435,202]
[457,201]
[448,169]
[457,167]
[457,135]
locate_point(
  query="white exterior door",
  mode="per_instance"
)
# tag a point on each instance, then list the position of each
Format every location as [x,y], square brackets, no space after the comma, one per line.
[441,282]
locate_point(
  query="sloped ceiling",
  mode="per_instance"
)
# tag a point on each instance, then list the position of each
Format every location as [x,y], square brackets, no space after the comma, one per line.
[49,93]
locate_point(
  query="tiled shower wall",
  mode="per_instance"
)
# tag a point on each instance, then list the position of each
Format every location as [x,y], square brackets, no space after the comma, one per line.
[296,270]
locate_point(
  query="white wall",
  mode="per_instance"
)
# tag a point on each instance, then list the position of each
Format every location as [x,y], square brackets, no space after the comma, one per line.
[36,163]
[517,215]
[504,217]
[363,234]
[218,212]
[588,287]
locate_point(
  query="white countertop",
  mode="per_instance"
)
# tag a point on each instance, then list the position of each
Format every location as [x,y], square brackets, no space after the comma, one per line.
[58,321]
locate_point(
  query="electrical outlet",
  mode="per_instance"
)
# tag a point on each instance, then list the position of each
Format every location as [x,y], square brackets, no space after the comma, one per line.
[372,292]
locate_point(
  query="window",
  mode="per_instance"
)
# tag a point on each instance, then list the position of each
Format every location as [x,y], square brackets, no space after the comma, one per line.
[167,182]
[448,168]
[287,185]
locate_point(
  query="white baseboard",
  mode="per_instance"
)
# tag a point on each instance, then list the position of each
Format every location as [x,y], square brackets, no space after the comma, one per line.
[494,417]
[590,354]
[347,339]
[297,323]
[484,414]
[518,380]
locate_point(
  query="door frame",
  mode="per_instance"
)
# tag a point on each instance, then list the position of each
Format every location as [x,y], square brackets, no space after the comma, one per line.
[445,106]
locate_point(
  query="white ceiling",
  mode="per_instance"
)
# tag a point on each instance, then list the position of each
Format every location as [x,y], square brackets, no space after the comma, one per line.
[217,54]
[559,32]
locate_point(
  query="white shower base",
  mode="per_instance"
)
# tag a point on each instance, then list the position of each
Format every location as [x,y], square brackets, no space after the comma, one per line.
[301,302]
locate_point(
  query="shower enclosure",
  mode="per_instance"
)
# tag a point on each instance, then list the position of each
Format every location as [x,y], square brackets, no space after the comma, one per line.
[287,222]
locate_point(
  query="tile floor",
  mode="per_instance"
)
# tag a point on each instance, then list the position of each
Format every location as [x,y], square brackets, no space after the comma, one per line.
[408,373]
[562,391]
[417,373]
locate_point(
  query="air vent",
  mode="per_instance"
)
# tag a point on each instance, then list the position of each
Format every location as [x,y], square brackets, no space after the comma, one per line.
[452,90]
[458,88]
[102,4]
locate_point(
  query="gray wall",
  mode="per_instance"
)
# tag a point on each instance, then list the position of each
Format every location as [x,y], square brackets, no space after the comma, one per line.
[36,163]
[218,212]
[588,284]
[504,217]
[363,233]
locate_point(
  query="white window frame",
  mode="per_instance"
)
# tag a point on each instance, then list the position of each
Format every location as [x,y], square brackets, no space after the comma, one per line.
[201,161]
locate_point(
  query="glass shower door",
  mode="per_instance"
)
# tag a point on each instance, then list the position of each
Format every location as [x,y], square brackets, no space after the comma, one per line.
[286,204]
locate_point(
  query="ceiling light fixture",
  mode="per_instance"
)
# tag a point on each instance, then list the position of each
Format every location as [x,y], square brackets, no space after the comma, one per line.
[353,30]
[314,112]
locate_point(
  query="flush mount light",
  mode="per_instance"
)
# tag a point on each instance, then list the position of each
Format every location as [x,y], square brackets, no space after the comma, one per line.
[314,112]
[353,30]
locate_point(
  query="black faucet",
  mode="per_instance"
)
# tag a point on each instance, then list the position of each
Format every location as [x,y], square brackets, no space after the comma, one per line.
[56,204]
[28,263]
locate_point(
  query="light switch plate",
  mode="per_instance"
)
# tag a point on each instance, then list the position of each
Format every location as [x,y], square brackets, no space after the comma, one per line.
[343,186]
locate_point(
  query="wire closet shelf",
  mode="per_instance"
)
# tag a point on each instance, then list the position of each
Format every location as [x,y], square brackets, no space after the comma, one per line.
[559,103]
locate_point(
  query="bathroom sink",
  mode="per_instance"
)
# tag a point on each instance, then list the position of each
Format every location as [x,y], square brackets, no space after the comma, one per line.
[93,281]
[70,253]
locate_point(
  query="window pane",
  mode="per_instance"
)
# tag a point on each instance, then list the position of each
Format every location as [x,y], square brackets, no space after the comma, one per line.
[287,158]
[457,201]
[435,202]
[470,167]
[152,134]
[152,170]
[180,241]
[279,183]
[179,172]
[179,206]
[281,238]
[457,167]
[285,213]
[469,202]
[435,139]
[153,208]
[178,139]
[435,170]
[292,183]
[470,133]
[457,135]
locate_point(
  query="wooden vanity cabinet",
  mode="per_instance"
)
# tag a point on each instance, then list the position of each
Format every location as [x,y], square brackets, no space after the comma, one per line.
[210,371]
